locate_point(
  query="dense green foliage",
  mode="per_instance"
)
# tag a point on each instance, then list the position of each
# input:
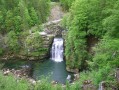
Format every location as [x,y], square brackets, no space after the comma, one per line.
[98,18]
[17,17]
[86,18]
[10,83]
[34,45]
[66,4]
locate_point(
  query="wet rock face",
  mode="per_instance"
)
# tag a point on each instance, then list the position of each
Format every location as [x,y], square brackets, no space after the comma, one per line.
[53,28]
[44,47]
[37,49]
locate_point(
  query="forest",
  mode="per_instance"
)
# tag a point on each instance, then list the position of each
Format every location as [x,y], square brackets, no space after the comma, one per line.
[17,18]
[91,41]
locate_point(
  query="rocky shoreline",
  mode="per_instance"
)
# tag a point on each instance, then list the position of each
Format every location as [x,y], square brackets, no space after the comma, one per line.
[23,57]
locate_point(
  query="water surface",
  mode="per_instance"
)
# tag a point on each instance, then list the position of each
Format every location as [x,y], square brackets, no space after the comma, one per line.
[53,70]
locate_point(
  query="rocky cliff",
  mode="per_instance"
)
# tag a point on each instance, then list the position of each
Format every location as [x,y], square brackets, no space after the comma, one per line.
[33,44]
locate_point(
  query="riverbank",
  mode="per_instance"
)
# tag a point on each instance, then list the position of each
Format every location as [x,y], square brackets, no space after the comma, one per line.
[55,71]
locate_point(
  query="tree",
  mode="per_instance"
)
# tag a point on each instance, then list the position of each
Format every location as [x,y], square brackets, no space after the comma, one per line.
[33,16]
[12,42]
[26,21]
[9,21]
[42,7]
[66,4]
[110,23]
[85,19]
[18,16]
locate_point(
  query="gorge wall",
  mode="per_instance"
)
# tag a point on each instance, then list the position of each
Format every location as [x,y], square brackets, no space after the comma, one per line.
[36,45]
[33,44]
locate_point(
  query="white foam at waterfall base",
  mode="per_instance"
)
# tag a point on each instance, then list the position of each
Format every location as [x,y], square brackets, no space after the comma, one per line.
[57,50]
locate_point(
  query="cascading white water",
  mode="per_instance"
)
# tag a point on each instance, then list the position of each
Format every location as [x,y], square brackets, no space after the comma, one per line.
[57,50]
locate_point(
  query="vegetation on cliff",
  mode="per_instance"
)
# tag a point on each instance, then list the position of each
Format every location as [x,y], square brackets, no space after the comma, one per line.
[97,18]
[85,19]
[66,4]
[16,19]
[88,18]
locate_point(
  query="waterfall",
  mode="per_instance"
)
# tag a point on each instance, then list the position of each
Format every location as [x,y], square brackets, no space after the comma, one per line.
[57,50]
